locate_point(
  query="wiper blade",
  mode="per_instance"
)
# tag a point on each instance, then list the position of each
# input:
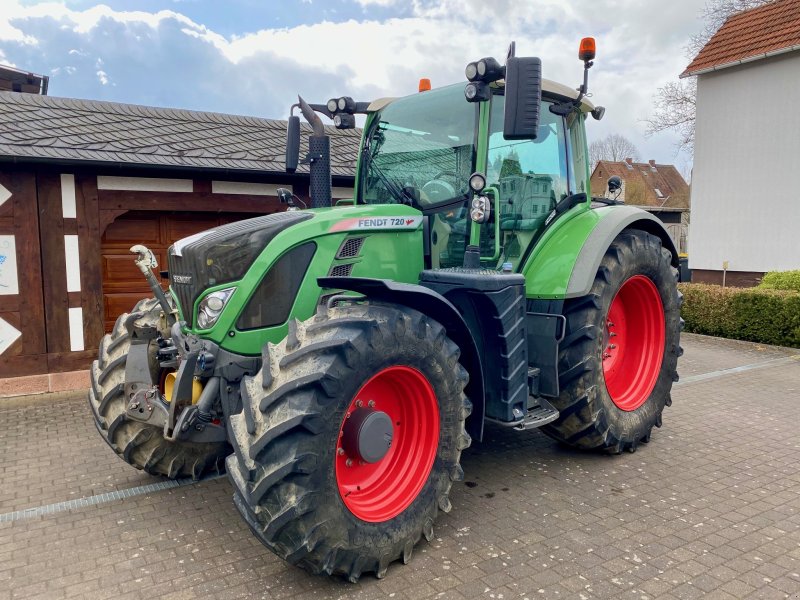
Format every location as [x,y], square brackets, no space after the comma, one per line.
[394,188]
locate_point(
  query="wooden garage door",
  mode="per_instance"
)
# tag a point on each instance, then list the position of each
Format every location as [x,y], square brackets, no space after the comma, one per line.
[123,283]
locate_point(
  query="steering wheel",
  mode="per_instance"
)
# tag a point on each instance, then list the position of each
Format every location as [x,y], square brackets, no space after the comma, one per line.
[437,190]
[441,187]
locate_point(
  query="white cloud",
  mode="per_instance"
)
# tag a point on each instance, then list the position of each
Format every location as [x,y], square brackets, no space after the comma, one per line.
[364,58]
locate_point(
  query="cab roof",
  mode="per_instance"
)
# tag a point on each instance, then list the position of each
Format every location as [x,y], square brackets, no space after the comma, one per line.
[549,88]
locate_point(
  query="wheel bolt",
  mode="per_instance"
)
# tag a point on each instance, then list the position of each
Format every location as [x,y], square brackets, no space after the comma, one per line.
[612,346]
[359,403]
[349,462]
[612,334]
[371,403]
[340,452]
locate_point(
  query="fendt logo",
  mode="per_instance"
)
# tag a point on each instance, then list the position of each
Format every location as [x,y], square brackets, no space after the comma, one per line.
[187,279]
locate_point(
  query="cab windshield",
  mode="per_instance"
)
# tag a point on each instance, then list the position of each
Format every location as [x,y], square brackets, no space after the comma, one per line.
[420,149]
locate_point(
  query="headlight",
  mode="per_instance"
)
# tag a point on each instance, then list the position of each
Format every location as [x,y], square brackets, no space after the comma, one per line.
[211,307]
[481,209]
[471,71]
[477,182]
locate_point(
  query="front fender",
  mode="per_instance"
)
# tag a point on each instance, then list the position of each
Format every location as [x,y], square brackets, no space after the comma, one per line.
[442,310]
[566,260]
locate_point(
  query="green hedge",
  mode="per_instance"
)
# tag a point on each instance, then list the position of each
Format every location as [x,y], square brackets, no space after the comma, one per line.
[781,280]
[753,314]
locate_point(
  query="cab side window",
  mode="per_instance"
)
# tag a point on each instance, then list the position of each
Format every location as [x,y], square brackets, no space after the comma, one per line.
[531,176]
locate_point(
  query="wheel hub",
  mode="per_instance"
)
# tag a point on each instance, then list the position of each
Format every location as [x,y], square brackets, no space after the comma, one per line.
[367,435]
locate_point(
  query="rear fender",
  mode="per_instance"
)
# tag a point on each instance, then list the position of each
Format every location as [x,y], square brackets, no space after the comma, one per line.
[566,260]
[617,220]
[442,310]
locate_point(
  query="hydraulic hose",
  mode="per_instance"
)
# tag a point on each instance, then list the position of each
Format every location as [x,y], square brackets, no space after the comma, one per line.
[206,400]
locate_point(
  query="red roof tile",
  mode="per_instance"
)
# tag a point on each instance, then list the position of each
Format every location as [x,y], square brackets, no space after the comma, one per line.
[751,34]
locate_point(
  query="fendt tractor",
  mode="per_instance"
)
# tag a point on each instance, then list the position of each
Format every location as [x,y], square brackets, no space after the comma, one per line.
[338,360]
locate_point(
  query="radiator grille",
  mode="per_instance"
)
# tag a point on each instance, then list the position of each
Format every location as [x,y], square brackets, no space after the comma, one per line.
[183,281]
[341,270]
[350,248]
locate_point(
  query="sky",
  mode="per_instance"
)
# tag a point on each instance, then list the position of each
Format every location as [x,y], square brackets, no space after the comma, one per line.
[252,57]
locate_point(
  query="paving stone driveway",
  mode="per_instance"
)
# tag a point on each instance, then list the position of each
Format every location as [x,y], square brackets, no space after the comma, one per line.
[710,508]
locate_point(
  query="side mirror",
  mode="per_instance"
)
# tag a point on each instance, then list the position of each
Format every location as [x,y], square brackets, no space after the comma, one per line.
[292,143]
[284,195]
[614,184]
[523,98]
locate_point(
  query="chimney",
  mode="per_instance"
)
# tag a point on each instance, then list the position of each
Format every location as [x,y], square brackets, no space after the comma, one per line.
[652,165]
[629,163]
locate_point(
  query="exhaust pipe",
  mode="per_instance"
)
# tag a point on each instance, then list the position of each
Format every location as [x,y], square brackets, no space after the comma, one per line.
[319,159]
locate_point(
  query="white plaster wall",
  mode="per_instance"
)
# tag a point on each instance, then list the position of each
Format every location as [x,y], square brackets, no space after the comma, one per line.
[746,176]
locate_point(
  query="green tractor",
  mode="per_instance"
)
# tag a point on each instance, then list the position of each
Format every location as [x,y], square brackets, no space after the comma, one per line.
[337,361]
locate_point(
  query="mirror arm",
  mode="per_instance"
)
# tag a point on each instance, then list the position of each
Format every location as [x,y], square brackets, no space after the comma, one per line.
[585,86]
[562,109]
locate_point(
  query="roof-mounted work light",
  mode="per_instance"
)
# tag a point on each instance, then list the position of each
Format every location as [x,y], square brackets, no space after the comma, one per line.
[346,104]
[341,111]
[477,91]
[344,121]
[486,70]
[480,74]
[489,69]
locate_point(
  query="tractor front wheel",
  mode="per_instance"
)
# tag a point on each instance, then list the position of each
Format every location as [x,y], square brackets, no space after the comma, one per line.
[350,438]
[618,359]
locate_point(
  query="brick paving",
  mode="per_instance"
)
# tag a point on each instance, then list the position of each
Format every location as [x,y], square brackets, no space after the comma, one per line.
[710,508]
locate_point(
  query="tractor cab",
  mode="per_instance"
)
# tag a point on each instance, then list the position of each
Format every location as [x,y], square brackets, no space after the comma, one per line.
[422,150]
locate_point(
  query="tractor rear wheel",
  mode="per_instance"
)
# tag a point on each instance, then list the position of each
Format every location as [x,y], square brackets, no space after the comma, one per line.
[618,359]
[350,438]
[140,444]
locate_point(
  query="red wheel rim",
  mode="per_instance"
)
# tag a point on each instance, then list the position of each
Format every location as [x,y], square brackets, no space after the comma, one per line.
[379,491]
[633,344]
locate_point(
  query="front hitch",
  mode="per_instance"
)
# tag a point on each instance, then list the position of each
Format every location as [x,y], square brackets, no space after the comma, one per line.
[146,261]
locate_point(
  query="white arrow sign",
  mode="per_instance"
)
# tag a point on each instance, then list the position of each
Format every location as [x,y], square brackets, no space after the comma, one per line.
[5,194]
[8,335]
